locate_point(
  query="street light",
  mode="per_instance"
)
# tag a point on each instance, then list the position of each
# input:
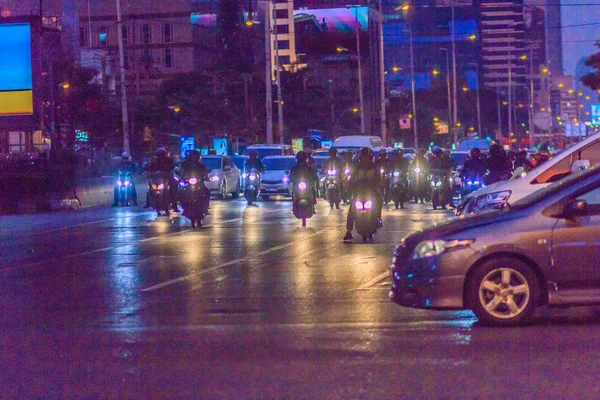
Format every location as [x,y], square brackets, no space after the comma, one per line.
[465,89]
[435,72]
[473,37]
[545,70]
[396,69]
[404,8]
[523,57]
[65,85]
[450,120]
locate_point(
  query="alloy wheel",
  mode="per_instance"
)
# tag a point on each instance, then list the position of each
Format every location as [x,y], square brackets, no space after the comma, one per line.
[504,293]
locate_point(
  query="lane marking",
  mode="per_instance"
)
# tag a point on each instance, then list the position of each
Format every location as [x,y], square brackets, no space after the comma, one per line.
[160,236]
[372,282]
[236,261]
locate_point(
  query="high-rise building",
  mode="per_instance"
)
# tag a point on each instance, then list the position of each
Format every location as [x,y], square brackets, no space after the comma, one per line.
[283,29]
[553,37]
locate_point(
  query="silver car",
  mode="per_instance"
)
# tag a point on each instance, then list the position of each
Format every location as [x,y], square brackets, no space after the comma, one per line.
[224,177]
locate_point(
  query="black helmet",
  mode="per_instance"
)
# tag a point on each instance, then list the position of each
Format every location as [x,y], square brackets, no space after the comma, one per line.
[301,157]
[366,155]
[193,155]
[333,152]
[382,153]
[437,151]
[347,155]
[495,150]
[475,152]
[162,153]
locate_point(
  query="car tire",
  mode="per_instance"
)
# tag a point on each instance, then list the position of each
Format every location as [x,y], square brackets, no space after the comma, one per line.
[503,291]
[223,190]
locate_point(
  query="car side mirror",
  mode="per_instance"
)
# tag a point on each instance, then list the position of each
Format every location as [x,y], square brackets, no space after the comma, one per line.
[227,168]
[577,208]
[580,165]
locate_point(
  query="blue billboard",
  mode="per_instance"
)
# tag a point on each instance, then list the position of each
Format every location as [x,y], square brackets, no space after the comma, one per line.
[16,86]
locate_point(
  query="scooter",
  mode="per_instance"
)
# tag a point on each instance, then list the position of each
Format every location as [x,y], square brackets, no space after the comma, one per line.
[418,185]
[160,186]
[347,185]
[194,200]
[439,190]
[366,220]
[302,197]
[399,190]
[124,188]
[332,188]
[251,190]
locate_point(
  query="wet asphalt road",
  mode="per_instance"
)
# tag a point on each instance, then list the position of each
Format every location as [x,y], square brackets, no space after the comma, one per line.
[115,303]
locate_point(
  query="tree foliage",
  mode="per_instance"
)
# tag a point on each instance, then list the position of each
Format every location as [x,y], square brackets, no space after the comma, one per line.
[592,80]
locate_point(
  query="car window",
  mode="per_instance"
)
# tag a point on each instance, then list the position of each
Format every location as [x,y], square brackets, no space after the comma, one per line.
[591,153]
[212,163]
[556,172]
[592,197]
[239,162]
[279,164]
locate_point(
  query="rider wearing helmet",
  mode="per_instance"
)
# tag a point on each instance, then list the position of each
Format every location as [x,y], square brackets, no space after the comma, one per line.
[365,179]
[254,163]
[193,167]
[398,161]
[474,166]
[383,162]
[164,163]
[498,165]
[333,162]
[437,160]
[521,160]
[125,165]
[303,171]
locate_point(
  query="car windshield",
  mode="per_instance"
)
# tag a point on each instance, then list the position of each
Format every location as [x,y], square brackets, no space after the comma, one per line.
[264,151]
[279,163]
[319,161]
[212,163]
[549,190]
[239,162]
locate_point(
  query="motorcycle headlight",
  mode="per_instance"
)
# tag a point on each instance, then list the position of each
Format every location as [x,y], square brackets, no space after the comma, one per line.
[160,187]
[492,200]
[252,177]
[154,187]
[396,173]
[381,171]
[438,184]
[358,205]
[127,183]
[119,183]
[244,175]
[417,170]
[368,204]
[286,179]
[193,181]
[474,183]
[431,248]
[332,172]
[470,183]
[347,171]
[433,184]
[302,185]
[214,179]
[182,182]
[323,179]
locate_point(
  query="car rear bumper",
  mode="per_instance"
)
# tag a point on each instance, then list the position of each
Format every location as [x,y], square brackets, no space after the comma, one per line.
[275,189]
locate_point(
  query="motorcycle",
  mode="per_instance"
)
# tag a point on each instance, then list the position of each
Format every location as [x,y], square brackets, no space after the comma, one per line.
[366,219]
[160,185]
[399,190]
[124,188]
[470,183]
[332,187]
[252,186]
[194,200]
[418,185]
[439,190]
[346,185]
[303,201]
[384,185]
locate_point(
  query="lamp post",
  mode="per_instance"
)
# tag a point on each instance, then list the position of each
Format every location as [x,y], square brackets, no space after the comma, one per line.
[268,74]
[382,76]
[405,8]
[125,116]
[455,107]
[451,122]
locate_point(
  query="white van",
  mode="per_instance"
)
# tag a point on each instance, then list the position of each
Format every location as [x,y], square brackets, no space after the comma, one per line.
[581,156]
[357,142]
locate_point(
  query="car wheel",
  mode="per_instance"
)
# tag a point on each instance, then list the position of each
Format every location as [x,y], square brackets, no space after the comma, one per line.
[223,191]
[503,292]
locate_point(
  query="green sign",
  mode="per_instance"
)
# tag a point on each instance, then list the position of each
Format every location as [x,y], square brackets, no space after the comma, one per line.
[81,136]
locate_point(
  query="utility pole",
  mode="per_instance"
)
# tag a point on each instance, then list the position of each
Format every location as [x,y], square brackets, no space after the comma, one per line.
[450,123]
[454,102]
[478,100]
[89,23]
[382,77]
[412,84]
[268,74]
[123,80]
[360,82]
[278,75]
[509,89]
[531,125]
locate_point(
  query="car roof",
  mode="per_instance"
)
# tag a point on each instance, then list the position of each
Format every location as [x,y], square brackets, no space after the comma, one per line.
[240,156]
[281,156]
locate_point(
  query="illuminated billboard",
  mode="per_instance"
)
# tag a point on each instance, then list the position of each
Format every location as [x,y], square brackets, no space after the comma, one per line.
[16,86]
[595,114]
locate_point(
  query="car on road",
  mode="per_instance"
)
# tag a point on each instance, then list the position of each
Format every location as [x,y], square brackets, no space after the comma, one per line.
[275,180]
[541,250]
[265,150]
[224,177]
[581,156]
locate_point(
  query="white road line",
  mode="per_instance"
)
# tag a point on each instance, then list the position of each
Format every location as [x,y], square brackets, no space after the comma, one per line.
[162,236]
[236,261]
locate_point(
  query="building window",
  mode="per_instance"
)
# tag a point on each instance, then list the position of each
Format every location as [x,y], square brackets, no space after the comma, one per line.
[167,33]
[281,14]
[283,29]
[283,44]
[125,31]
[83,37]
[284,60]
[102,36]
[126,60]
[146,34]
[168,58]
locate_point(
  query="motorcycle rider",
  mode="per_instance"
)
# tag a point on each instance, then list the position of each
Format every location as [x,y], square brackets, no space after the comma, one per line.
[333,163]
[398,162]
[442,164]
[522,161]
[192,166]
[498,165]
[163,163]
[303,171]
[125,165]
[365,178]
[384,178]
[474,166]
[254,163]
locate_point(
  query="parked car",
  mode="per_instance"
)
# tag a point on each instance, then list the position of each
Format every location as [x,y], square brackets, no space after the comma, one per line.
[583,155]
[540,250]
[224,178]
[275,180]
[265,150]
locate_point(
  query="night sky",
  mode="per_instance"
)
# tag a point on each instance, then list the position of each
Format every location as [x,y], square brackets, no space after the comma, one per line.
[578,41]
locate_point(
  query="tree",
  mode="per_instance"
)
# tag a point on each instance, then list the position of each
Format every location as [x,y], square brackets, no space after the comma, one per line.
[592,80]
